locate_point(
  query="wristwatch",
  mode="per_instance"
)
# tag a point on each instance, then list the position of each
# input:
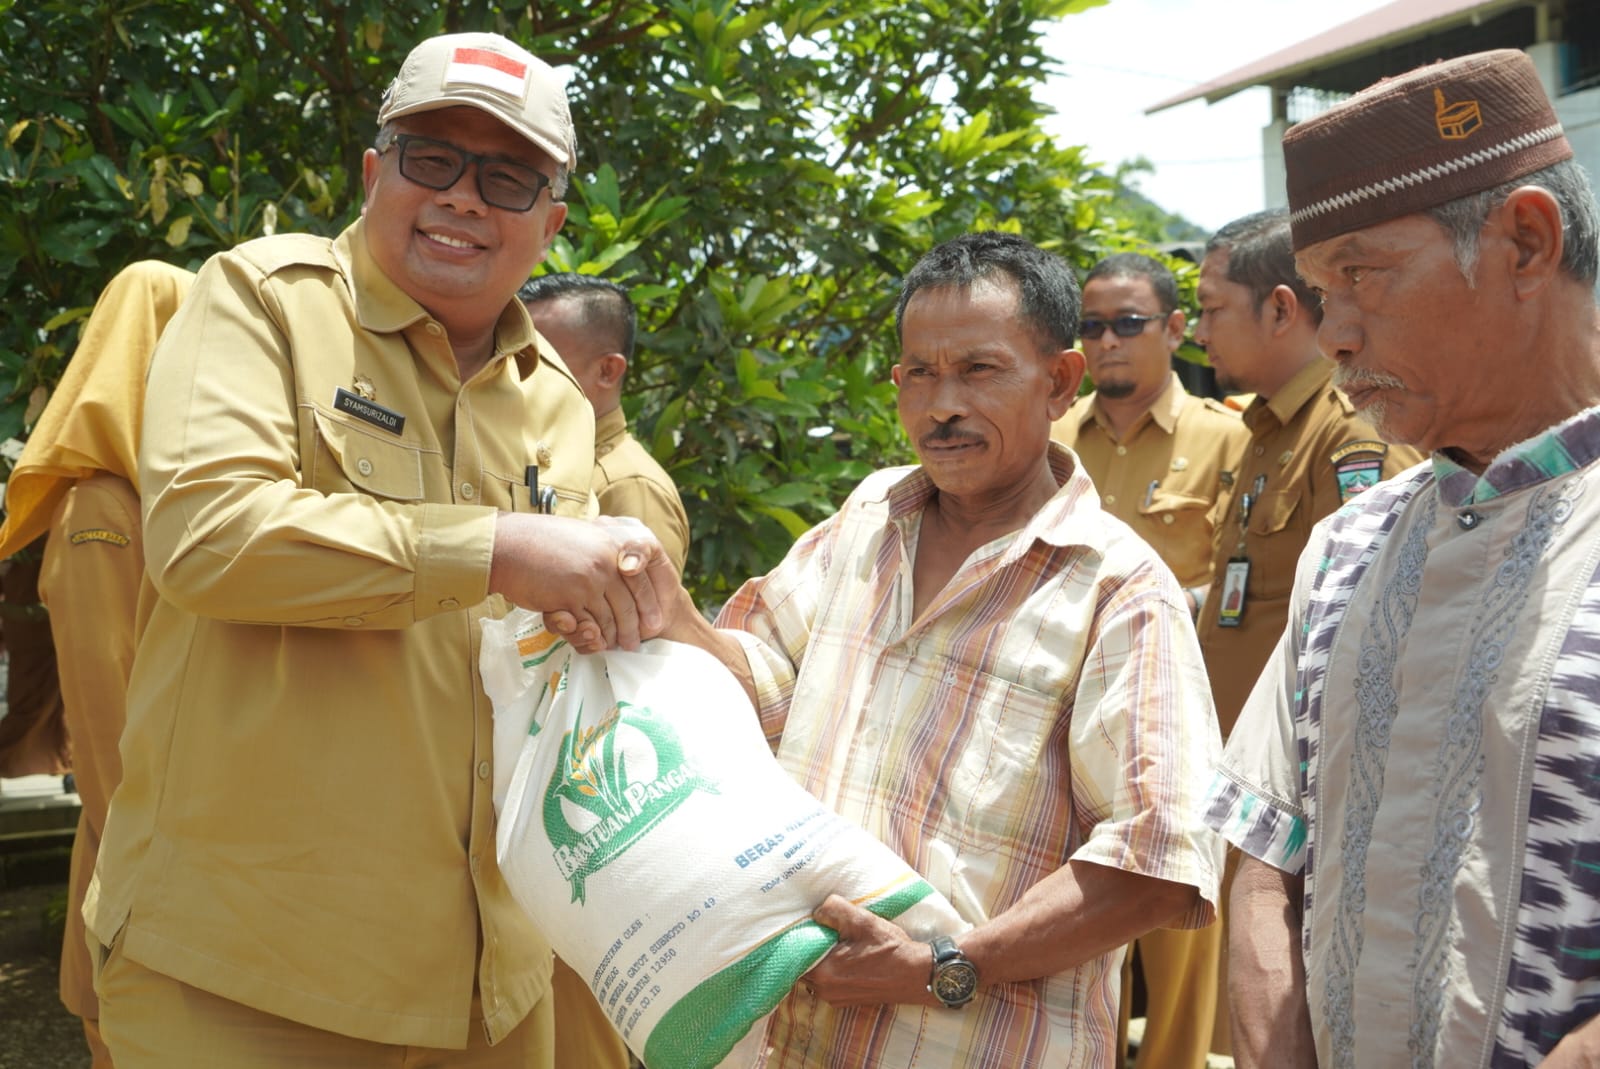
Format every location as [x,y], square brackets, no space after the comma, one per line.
[954,979]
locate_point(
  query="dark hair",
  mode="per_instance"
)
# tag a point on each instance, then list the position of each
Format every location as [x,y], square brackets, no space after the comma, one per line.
[1137,265]
[1464,217]
[1050,301]
[603,304]
[1261,258]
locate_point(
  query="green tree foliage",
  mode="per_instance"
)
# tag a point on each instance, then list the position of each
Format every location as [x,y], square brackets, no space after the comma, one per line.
[761,175]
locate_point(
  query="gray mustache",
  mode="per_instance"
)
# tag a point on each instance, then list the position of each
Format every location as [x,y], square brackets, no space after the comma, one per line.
[1344,376]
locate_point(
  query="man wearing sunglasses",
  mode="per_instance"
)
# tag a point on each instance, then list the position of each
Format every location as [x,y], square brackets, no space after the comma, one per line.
[1160,458]
[354,452]
[1157,455]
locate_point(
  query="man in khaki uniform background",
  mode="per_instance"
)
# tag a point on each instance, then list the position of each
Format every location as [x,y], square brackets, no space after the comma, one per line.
[353,453]
[1159,458]
[1308,453]
[78,478]
[591,323]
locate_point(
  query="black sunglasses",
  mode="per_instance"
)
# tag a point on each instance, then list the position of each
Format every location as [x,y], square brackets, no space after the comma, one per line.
[439,165]
[1128,326]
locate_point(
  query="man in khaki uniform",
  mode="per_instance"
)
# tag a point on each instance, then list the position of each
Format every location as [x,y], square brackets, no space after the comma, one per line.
[77,479]
[1158,455]
[591,323]
[352,455]
[1308,453]
[1159,458]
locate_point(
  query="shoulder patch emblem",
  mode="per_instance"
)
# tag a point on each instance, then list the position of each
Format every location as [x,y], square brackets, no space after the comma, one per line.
[1358,465]
[98,534]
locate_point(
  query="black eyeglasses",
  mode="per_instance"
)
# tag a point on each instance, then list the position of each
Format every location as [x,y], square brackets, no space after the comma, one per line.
[439,165]
[1128,326]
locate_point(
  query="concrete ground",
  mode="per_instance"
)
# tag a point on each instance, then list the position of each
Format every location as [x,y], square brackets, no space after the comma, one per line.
[38,1032]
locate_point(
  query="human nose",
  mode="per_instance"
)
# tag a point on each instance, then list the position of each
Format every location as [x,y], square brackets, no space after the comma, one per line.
[464,194]
[1339,335]
[1202,332]
[949,402]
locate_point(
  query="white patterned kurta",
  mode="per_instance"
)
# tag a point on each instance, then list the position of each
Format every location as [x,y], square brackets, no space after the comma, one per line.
[1425,747]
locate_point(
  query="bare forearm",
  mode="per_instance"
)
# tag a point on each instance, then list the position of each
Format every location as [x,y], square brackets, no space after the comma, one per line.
[1077,913]
[1266,975]
[686,625]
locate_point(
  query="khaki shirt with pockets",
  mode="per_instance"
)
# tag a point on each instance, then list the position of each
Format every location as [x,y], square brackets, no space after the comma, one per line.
[304,824]
[1166,478]
[629,482]
[1310,452]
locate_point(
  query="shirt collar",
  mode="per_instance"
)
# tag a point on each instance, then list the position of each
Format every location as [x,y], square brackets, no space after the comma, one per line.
[1306,384]
[1559,450]
[1163,411]
[610,427]
[384,308]
[1072,517]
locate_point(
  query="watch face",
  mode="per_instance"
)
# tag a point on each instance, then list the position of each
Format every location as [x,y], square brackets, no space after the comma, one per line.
[955,982]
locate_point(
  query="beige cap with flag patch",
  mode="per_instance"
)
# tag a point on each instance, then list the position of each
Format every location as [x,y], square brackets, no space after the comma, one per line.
[490,73]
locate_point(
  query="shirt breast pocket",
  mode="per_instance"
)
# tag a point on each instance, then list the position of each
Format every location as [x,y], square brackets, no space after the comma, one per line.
[1180,513]
[991,753]
[1275,546]
[350,460]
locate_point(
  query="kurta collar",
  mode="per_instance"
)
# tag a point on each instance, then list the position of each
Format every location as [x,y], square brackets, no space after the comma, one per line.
[1560,450]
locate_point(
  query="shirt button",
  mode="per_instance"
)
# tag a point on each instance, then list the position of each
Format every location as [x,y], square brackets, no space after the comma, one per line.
[1111,499]
[435,329]
[1468,520]
[1167,518]
[1260,450]
[364,466]
[449,603]
[1122,450]
[483,770]
[472,863]
[467,491]
[353,621]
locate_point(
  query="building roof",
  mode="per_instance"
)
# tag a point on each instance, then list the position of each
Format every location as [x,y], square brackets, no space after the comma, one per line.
[1401,20]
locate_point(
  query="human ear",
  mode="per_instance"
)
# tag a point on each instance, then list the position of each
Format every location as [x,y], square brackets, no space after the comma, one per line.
[1530,219]
[1066,375]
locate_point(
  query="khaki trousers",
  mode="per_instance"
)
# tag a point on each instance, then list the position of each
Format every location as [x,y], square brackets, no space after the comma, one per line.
[151,1021]
[1180,980]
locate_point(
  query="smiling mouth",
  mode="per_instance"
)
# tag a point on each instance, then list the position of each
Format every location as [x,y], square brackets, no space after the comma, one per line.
[448,241]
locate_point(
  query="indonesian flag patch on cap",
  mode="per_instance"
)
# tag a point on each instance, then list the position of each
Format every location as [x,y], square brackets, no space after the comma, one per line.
[490,70]
[493,74]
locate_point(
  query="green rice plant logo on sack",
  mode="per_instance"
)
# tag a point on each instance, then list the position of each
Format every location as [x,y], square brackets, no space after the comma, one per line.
[613,782]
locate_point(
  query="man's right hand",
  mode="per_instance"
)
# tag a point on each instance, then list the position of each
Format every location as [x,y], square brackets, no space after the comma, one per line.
[601,583]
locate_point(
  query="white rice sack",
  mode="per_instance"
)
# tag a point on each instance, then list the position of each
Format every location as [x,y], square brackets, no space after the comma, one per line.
[649,832]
